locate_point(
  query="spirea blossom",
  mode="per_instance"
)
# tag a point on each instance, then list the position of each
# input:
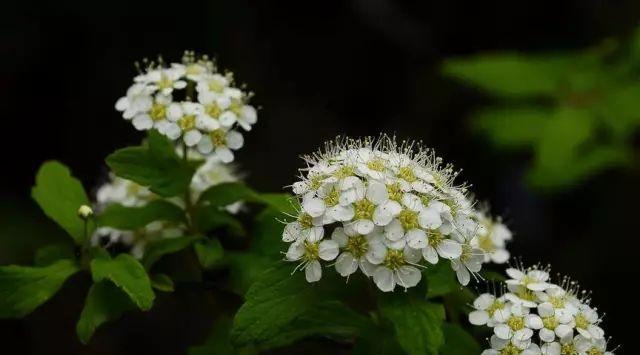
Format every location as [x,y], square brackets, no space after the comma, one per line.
[192,103]
[385,209]
[130,194]
[535,316]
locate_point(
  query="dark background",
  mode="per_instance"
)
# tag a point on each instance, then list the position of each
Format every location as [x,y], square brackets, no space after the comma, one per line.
[319,69]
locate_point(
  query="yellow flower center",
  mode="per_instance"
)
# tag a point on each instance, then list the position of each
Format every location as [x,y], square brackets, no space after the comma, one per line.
[594,351]
[364,209]
[485,243]
[332,198]
[305,220]
[310,251]
[218,138]
[568,349]
[550,322]
[581,321]
[407,174]
[158,112]
[408,219]
[495,306]
[510,349]
[395,191]
[236,106]
[376,164]
[165,82]
[357,245]
[343,172]
[467,252]
[515,323]
[394,259]
[213,110]
[557,301]
[316,181]
[187,123]
[435,238]
[215,86]
[194,69]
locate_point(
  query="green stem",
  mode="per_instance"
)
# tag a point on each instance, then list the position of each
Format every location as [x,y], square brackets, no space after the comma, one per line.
[187,196]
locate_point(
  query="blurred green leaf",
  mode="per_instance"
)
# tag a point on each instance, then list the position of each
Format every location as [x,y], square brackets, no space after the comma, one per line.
[60,195]
[162,282]
[417,323]
[458,341]
[131,218]
[49,254]
[512,127]
[218,342]
[510,74]
[208,218]
[156,165]
[275,300]
[128,274]
[209,252]
[23,289]
[105,302]
[159,248]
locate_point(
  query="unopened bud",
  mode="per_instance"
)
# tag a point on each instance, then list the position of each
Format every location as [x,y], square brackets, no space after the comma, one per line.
[85,212]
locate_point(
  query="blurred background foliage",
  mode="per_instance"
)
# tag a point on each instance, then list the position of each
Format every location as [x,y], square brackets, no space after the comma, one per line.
[323,68]
[577,112]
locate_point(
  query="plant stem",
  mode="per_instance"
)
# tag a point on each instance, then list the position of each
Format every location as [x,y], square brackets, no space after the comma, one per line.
[187,196]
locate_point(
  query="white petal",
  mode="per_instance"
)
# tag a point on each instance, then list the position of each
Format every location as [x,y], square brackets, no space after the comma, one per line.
[407,276]
[463,275]
[376,253]
[314,234]
[313,206]
[377,192]
[313,271]
[383,277]
[342,213]
[328,250]
[416,238]
[547,335]
[449,249]
[173,131]
[295,252]
[235,140]
[346,264]
[394,231]
[339,236]
[546,310]
[502,331]
[533,321]
[484,301]
[429,254]
[292,231]
[429,219]
[478,317]
[363,226]
[174,112]
[227,118]
[205,146]
[142,122]
[192,137]
[515,273]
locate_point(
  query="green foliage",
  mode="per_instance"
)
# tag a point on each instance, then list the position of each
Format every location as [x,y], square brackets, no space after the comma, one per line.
[131,218]
[104,302]
[218,342]
[577,112]
[458,341]
[162,247]
[208,218]
[417,323]
[155,165]
[60,195]
[162,282]
[275,300]
[209,252]
[128,274]
[441,280]
[23,289]
[49,254]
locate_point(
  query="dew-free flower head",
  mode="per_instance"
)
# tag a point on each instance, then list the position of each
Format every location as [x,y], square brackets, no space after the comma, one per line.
[191,103]
[392,208]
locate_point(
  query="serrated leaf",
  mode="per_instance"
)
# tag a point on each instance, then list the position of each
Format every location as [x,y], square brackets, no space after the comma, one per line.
[105,302]
[458,341]
[129,275]
[209,252]
[60,195]
[23,289]
[162,282]
[272,303]
[131,218]
[417,323]
[49,254]
[441,280]
[162,247]
[510,74]
[331,319]
[154,165]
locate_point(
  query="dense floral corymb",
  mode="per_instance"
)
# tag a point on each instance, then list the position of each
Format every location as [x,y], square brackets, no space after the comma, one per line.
[560,314]
[190,102]
[384,208]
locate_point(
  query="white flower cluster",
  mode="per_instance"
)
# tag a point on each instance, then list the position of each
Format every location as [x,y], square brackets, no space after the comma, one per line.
[131,194]
[386,207]
[560,314]
[492,239]
[193,102]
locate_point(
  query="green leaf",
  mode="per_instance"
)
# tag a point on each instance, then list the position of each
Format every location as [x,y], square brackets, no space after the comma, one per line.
[511,74]
[512,127]
[330,319]
[60,195]
[23,289]
[441,280]
[208,218]
[417,323]
[209,252]
[218,341]
[49,254]
[105,302]
[229,192]
[458,342]
[156,165]
[162,247]
[131,218]
[162,282]
[128,274]
[272,303]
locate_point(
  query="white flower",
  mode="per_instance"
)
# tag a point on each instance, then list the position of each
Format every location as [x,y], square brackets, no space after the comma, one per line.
[124,192]
[310,252]
[586,323]
[555,322]
[363,252]
[469,262]
[438,244]
[534,279]
[222,143]
[519,326]
[591,346]
[502,346]
[489,310]
[493,239]
[137,101]
[397,269]
[165,80]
